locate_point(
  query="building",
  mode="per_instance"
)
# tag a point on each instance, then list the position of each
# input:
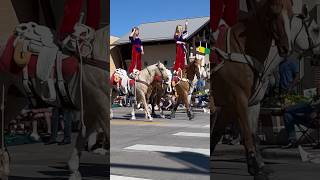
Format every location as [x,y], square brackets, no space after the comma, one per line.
[158,41]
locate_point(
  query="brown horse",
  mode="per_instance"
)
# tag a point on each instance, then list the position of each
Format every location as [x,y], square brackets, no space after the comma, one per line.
[158,90]
[184,87]
[95,97]
[247,47]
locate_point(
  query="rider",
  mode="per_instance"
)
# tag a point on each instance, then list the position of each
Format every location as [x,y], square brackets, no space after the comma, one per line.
[222,13]
[137,50]
[121,81]
[180,35]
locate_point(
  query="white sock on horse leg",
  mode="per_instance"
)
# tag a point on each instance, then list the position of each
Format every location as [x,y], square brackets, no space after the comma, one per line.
[92,140]
[74,161]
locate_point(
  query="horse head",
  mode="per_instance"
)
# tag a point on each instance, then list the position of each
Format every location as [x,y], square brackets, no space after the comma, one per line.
[161,70]
[194,68]
[305,33]
[278,17]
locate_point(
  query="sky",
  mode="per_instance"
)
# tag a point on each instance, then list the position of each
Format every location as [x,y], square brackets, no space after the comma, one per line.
[126,14]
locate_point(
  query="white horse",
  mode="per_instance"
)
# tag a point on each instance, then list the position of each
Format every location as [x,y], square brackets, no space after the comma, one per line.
[142,83]
[95,84]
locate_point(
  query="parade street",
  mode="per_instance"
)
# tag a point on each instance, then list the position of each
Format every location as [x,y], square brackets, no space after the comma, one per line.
[166,149]
[229,163]
[49,162]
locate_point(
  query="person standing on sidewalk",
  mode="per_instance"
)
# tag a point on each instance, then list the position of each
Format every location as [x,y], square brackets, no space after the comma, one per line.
[67,117]
[289,75]
[137,50]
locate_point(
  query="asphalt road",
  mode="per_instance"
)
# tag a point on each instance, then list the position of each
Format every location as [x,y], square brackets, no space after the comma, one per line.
[166,149]
[49,162]
[232,166]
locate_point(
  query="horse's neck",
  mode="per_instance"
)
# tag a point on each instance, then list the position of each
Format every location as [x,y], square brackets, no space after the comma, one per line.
[188,73]
[253,38]
[146,75]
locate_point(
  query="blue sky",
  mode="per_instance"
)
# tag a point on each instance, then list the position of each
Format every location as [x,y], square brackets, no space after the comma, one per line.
[126,14]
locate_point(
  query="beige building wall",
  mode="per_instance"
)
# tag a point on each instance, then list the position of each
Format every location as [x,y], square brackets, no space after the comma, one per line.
[155,53]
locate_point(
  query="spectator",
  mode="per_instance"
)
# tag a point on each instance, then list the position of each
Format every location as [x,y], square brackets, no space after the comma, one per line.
[66,115]
[289,75]
[302,113]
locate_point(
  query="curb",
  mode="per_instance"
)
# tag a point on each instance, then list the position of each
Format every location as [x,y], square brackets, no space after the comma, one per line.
[267,152]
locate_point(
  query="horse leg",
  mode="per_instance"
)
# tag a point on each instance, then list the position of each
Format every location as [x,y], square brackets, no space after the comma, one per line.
[153,112]
[133,113]
[134,106]
[14,103]
[252,162]
[185,100]
[175,107]
[146,109]
[4,164]
[35,135]
[74,161]
[217,129]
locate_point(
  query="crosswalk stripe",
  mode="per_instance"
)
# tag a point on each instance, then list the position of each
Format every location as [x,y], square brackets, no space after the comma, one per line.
[190,134]
[173,149]
[114,177]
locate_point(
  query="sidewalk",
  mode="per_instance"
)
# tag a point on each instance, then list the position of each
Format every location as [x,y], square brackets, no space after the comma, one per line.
[268,151]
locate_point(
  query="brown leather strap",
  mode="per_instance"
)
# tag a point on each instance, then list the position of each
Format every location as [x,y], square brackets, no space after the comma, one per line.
[97,63]
[143,82]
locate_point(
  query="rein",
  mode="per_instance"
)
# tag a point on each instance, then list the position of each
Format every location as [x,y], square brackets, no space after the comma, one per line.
[104,65]
[246,58]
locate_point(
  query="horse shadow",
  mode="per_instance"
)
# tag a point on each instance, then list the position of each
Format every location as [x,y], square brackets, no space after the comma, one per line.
[195,163]
[88,171]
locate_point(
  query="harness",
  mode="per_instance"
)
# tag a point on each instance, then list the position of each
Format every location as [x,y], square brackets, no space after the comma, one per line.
[305,26]
[260,70]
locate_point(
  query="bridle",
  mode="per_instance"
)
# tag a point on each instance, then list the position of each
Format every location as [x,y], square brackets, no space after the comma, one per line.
[310,42]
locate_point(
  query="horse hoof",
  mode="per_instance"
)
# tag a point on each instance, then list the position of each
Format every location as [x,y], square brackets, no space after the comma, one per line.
[149,120]
[75,176]
[35,136]
[133,118]
[101,151]
[163,116]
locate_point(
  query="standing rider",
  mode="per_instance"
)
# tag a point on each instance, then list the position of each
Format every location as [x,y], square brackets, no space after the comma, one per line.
[137,50]
[179,36]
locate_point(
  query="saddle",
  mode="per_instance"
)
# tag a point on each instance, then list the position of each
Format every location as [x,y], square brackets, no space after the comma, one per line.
[34,39]
[64,68]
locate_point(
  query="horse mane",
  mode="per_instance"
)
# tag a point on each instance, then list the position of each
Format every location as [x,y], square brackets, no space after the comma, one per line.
[287,5]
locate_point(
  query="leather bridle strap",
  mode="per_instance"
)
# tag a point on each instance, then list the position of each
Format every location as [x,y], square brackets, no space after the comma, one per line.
[142,82]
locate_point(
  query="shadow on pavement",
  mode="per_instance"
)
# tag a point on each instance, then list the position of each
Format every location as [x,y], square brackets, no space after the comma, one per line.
[195,164]
[195,160]
[88,171]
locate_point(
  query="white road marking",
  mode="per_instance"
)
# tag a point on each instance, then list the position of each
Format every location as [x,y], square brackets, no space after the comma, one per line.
[207,126]
[114,177]
[173,149]
[190,134]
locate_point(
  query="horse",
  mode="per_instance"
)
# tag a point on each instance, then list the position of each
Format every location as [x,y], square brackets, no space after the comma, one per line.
[95,94]
[184,86]
[142,82]
[233,91]
[158,90]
